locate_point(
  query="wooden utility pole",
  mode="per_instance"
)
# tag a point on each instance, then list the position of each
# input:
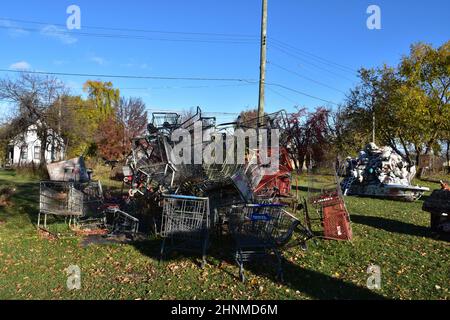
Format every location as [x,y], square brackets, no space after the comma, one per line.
[262,69]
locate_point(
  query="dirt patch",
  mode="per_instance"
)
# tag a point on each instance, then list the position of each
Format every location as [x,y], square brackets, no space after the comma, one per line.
[90,232]
[96,239]
[5,196]
[45,234]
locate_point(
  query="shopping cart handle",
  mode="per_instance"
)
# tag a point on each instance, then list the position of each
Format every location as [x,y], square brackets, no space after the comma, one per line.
[181,197]
[265,205]
[260,217]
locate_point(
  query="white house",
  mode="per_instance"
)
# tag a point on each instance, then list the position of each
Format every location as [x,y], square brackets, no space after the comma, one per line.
[26,148]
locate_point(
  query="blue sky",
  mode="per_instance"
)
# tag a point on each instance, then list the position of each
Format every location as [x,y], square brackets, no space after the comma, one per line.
[328,33]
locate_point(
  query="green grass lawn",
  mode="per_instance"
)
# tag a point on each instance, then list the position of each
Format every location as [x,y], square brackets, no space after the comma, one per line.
[393,235]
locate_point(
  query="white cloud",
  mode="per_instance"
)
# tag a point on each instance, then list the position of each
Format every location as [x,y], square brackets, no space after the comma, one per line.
[58,33]
[98,60]
[14,30]
[20,65]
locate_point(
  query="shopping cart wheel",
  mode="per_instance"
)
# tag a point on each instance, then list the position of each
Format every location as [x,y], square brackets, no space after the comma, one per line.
[280,276]
[161,253]
[303,246]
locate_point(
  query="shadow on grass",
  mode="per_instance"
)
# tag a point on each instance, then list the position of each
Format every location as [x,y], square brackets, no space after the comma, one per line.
[24,200]
[315,284]
[312,283]
[390,225]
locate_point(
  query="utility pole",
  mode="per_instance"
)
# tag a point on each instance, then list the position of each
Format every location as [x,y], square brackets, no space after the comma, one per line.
[262,69]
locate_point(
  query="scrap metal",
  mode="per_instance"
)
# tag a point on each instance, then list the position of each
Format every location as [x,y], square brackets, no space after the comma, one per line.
[380,172]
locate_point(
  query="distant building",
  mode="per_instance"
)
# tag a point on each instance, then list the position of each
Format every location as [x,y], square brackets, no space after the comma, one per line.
[25,148]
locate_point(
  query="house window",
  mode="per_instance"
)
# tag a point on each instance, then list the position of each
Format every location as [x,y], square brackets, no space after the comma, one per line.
[24,152]
[37,152]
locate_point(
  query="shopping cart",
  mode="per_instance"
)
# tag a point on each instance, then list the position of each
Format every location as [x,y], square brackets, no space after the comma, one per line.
[261,229]
[185,224]
[69,199]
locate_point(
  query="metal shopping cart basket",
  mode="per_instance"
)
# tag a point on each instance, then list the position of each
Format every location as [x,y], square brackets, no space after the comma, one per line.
[69,199]
[185,224]
[261,229]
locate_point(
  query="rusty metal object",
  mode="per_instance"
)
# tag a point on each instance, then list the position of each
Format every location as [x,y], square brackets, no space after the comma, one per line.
[335,217]
[69,170]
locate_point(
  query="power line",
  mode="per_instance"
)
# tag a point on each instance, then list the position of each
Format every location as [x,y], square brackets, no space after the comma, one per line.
[178,87]
[250,81]
[312,64]
[128,37]
[283,96]
[301,93]
[135,30]
[192,87]
[304,77]
[316,57]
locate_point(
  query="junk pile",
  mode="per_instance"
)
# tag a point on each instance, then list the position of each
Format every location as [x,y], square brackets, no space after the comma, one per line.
[70,193]
[438,204]
[200,197]
[380,172]
[190,199]
[151,169]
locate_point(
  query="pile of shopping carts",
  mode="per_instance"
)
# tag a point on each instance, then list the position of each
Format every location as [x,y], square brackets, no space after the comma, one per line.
[258,230]
[151,169]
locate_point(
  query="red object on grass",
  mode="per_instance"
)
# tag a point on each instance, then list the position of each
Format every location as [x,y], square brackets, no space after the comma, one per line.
[336,223]
[281,180]
[336,220]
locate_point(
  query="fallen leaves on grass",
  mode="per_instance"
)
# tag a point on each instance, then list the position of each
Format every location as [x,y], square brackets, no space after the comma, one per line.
[90,232]
[175,267]
[5,196]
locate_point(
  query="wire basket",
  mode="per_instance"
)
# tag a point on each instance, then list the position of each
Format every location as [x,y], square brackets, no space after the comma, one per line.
[186,223]
[256,229]
[69,199]
[165,120]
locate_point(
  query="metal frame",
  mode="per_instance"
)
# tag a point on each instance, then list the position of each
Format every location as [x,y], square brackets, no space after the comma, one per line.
[259,229]
[185,224]
[60,199]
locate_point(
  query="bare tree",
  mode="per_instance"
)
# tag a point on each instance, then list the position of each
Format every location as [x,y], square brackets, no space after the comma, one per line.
[132,115]
[33,96]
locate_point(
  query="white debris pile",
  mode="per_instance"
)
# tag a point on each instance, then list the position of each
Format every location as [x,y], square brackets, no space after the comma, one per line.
[380,165]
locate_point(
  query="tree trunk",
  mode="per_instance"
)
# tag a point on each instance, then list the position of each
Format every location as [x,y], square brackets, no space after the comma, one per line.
[43,137]
[405,147]
[448,156]
[300,160]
